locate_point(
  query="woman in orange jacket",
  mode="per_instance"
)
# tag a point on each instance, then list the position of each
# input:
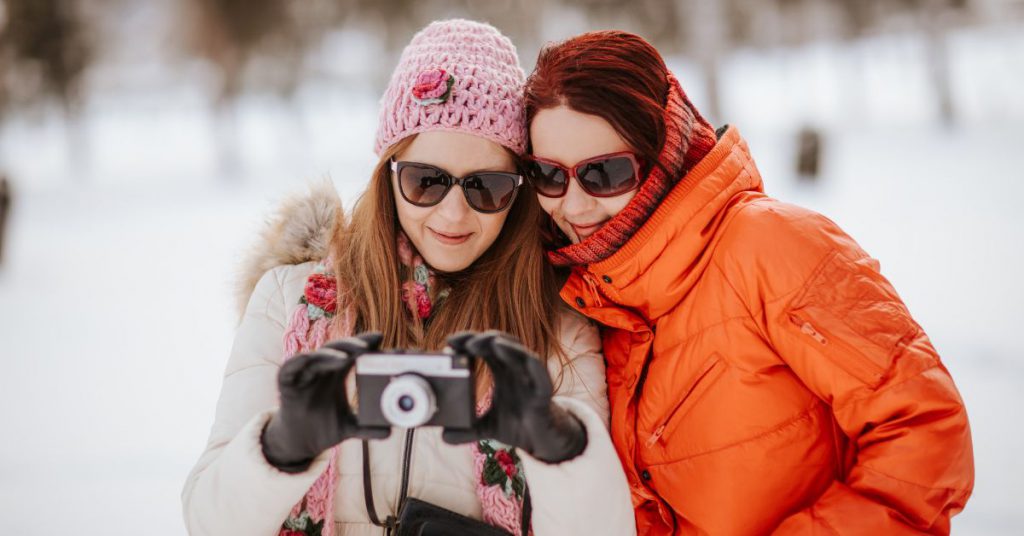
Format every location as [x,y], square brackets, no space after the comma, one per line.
[764,377]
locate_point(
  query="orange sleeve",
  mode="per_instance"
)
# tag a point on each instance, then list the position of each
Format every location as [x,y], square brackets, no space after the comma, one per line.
[840,326]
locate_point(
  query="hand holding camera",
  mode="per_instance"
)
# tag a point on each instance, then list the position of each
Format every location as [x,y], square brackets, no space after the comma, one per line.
[411,390]
[315,414]
[522,413]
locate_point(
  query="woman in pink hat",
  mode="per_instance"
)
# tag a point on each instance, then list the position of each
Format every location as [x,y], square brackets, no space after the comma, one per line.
[442,241]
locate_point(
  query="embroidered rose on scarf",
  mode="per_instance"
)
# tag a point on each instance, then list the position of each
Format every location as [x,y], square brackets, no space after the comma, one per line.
[417,293]
[417,298]
[322,292]
[502,468]
[506,462]
[301,525]
[432,86]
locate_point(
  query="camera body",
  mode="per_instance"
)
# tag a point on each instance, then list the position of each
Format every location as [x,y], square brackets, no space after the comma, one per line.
[410,390]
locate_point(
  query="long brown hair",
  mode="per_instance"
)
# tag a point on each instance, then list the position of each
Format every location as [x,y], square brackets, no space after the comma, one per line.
[509,288]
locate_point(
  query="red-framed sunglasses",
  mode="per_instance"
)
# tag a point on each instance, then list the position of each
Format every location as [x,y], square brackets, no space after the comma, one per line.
[607,175]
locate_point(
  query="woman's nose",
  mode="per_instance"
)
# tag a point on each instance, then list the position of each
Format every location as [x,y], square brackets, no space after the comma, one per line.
[454,207]
[576,200]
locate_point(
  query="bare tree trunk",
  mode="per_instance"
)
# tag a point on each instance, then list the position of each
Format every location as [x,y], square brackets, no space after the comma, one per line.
[5,210]
[226,137]
[808,154]
[935,27]
[705,22]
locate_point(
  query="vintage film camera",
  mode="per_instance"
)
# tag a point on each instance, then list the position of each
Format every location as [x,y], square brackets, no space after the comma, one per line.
[410,390]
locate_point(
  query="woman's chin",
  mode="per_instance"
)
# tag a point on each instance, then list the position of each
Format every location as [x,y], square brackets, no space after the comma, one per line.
[448,263]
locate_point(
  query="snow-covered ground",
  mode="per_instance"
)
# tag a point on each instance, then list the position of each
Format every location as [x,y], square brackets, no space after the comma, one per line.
[116,312]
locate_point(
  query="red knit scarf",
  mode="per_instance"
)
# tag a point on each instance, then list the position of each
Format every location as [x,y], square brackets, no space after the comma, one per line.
[688,138]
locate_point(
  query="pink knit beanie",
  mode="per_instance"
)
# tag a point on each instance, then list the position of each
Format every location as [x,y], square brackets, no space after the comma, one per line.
[456,75]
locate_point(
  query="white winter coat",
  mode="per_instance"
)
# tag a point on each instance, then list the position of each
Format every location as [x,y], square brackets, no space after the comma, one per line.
[233,490]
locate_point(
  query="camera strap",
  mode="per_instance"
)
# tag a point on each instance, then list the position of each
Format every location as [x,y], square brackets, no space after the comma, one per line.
[524,521]
[390,523]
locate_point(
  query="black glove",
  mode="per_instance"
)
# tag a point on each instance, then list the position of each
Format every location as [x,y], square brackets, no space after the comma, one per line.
[522,414]
[315,414]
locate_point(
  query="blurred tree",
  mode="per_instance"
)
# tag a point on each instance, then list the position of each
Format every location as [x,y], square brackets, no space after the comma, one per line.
[229,33]
[708,42]
[5,210]
[44,53]
[662,23]
[808,153]
[252,45]
[932,19]
[937,18]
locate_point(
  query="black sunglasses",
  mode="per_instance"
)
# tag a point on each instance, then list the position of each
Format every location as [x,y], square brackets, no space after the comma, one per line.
[425,185]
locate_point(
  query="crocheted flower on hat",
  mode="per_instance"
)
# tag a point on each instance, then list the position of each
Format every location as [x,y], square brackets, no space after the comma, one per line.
[433,86]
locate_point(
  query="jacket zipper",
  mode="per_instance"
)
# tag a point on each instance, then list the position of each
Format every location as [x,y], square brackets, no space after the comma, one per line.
[664,422]
[863,368]
[808,329]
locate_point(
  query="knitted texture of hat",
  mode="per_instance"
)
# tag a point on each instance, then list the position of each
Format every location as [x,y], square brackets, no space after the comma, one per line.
[456,75]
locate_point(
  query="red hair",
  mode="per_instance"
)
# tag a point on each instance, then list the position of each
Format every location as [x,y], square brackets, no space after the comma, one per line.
[632,93]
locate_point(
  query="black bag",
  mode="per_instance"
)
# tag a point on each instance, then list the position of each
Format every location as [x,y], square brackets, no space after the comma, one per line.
[419,518]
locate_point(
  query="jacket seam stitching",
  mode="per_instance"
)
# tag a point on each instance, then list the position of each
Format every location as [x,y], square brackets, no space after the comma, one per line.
[714,259]
[818,266]
[883,388]
[823,520]
[686,339]
[267,316]
[249,367]
[750,312]
[276,272]
[805,285]
[280,291]
[279,277]
[915,484]
[735,292]
[803,415]
[788,294]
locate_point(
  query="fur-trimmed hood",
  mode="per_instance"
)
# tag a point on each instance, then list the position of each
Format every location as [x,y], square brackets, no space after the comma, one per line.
[298,231]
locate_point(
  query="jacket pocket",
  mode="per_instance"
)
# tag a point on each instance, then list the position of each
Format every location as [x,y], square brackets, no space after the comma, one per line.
[706,376]
[853,316]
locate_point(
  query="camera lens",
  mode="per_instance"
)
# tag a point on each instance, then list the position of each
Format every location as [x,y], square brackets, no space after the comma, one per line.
[408,401]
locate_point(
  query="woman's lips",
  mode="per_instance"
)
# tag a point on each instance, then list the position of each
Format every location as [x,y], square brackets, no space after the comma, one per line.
[583,231]
[450,239]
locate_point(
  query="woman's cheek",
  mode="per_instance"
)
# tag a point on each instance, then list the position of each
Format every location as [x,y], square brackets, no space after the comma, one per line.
[549,205]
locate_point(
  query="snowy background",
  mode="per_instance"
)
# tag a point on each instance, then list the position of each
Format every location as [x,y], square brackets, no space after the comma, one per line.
[116,308]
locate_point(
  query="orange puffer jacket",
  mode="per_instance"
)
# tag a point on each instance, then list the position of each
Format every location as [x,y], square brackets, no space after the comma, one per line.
[764,377]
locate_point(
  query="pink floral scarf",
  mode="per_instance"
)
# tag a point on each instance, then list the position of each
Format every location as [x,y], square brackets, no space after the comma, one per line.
[501,485]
